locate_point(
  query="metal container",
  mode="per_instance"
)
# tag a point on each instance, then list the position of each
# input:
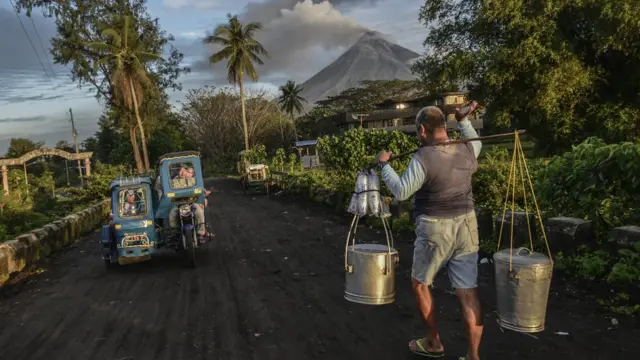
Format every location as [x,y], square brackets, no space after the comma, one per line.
[371,274]
[522,292]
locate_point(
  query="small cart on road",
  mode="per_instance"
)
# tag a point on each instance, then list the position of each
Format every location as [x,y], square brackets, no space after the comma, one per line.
[253,176]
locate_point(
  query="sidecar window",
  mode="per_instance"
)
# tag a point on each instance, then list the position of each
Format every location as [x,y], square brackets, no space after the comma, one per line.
[182,174]
[132,202]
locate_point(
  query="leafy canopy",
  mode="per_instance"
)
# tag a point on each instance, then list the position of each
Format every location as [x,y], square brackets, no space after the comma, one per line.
[125,53]
[81,22]
[290,100]
[563,69]
[239,48]
[370,93]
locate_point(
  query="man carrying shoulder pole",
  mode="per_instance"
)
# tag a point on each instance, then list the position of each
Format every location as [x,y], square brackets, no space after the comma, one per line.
[446,225]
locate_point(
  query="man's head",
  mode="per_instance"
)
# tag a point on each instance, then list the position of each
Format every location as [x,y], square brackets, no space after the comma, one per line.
[131,197]
[182,173]
[430,123]
[189,172]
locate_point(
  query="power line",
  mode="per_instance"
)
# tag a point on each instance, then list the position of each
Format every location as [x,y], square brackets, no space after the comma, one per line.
[30,42]
[44,52]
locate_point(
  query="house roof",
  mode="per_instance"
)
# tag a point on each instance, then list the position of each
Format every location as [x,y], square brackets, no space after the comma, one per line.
[303,143]
[420,98]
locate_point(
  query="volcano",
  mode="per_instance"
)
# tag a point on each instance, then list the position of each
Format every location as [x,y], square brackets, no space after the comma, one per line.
[372,57]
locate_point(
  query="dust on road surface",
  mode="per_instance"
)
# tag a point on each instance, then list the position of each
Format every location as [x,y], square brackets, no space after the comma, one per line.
[270,286]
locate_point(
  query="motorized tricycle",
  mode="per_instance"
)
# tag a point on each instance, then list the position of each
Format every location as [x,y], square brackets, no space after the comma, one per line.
[174,216]
[252,176]
[130,235]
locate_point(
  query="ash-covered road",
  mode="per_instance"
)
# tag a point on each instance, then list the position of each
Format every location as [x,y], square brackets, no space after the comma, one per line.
[270,286]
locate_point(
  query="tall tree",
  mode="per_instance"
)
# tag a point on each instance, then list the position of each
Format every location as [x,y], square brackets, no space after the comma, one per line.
[81,22]
[240,50]
[291,102]
[211,119]
[129,79]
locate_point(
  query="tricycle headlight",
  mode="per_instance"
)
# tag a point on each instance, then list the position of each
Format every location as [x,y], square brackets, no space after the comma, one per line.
[185,210]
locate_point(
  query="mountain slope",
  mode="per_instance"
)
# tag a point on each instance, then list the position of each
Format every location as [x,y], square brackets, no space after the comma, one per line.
[370,58]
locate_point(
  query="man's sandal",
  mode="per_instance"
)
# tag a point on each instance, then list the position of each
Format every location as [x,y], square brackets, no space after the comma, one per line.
[422,351]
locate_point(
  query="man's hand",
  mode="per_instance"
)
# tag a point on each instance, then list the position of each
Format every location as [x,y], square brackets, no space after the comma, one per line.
[461,114]
[383,156]
[207,192]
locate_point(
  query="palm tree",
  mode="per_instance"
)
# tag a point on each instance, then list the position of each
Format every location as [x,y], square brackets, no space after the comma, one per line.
[291,102]
[240,50]
[126,55]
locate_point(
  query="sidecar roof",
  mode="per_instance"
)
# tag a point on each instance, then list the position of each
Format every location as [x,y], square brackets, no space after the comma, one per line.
[178,155]
[126,181]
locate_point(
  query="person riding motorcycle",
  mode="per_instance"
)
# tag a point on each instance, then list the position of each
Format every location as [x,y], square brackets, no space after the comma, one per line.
[184,179]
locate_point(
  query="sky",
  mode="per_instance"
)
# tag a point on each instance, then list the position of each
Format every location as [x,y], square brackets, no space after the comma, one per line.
[301,36]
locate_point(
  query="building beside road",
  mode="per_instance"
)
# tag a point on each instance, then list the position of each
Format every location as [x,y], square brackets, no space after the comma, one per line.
[401,114]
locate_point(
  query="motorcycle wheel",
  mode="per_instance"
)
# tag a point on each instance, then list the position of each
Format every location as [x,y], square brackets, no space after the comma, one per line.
[190,250]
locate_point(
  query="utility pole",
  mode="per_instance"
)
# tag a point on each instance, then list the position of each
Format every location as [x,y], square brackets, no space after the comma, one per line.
[75,142]
[66,167]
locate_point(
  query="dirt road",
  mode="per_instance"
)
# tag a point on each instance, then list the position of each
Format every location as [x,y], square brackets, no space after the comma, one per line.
[270,286]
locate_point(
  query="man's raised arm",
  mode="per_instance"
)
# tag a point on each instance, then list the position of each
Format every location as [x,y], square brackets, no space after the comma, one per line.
[467,131]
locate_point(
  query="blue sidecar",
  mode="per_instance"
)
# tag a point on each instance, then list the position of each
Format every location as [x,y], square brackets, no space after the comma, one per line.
[130,236]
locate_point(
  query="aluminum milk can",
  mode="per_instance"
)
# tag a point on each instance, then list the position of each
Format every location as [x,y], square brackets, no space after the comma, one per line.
[522,292]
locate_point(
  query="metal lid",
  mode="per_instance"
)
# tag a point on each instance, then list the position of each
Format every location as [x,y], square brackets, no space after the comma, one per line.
[522,256]
[372,248]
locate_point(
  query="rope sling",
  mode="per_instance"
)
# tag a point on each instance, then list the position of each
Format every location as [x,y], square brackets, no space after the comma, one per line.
[519,166]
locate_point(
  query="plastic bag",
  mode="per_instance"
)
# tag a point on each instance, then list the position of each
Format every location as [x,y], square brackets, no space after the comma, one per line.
[358,204]
[373,195]
[384,210]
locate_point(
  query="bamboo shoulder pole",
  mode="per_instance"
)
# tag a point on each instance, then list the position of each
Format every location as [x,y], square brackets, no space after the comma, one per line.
[459,141]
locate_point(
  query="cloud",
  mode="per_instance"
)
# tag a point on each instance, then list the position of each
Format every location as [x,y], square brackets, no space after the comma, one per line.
[28,119]
[301,37]
[266,11]
[199,4]
[51,128]
[18,98]
[21,55]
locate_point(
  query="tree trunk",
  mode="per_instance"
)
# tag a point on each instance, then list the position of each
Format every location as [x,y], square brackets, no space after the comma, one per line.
[244,115]
[295,130]
[136,150]
[284,141]
[143,138]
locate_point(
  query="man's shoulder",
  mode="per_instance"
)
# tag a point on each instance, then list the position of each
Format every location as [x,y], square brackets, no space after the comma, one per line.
[438,153]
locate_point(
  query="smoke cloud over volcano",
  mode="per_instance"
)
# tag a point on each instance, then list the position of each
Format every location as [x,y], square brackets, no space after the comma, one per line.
[302,35]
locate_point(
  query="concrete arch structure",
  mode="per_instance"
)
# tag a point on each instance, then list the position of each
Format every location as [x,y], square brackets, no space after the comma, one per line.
[5,163]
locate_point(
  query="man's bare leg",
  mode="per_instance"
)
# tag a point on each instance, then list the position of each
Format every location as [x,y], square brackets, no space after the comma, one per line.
[425,303]
[472,314]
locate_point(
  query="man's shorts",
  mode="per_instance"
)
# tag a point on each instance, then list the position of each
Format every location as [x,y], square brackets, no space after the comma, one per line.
[447,241]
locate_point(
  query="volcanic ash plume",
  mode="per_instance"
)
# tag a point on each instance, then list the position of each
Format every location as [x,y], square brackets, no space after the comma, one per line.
[294,29]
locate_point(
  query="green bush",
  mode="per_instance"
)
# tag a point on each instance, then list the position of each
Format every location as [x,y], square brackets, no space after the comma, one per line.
[98,186]
[277,162]
[256,155]
[294,164]
[594,181]
[491,181]
[357,148]
[22,213]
